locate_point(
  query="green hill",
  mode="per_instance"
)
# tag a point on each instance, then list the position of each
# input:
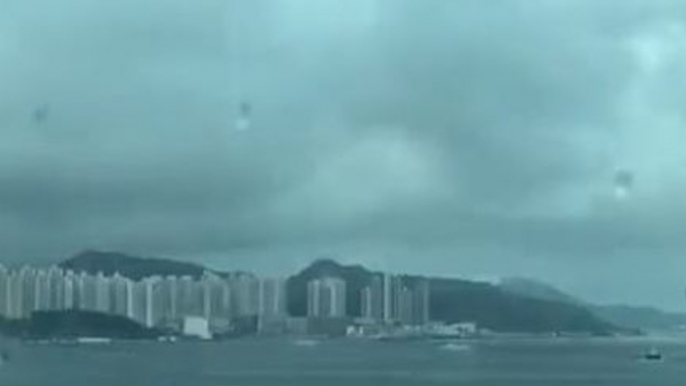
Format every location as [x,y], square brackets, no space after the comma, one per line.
[629,317]
[135,268]
[454,300]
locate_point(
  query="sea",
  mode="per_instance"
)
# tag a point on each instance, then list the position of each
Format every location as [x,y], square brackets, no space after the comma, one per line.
[289,361]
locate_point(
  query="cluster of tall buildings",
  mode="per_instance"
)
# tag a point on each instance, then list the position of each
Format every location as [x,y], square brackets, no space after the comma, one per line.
[388,299]
[153,301]
[395,299]
[326,298]
[158,301]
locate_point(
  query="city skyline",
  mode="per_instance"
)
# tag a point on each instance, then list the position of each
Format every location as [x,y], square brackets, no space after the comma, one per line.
[166,301]
[330,192]
[390,299]
[152,301]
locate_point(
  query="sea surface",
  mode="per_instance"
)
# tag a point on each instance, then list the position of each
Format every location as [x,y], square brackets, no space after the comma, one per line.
[284,361]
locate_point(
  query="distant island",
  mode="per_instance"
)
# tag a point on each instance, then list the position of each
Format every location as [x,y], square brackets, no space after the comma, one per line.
[456,300]
[452,300]
[514,305]
[628,317]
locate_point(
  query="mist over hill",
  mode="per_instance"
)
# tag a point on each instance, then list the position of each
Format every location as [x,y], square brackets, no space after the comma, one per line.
[626,316]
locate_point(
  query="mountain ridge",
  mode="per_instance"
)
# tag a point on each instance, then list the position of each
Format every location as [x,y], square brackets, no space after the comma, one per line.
[108,262]
[457,300]
[627,316]
[452,300]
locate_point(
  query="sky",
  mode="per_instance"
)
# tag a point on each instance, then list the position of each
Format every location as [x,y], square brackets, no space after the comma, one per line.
[466,138]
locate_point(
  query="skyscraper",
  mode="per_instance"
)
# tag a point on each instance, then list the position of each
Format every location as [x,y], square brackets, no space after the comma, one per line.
[146,301]
[406,306]
[120,287]
[390,295]
[56,288]
[24,293]
[28,298]
[392,299]
[156,307]
[102,293]
[216,297]
[326,298]
[272,306]
[422,299]
[139,301]
[88,292]
[272,298]
[4,292]
[188,297]
[79,284]
[245,295]
[69,293]
[169,298]
[221,300]
[413,302]
[372,300]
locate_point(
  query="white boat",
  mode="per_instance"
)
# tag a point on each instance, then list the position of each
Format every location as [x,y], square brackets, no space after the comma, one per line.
[306,342]
[456,347]
[93,340]
[167,339]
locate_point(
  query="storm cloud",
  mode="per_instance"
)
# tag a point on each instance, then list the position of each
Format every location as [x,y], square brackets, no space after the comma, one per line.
[464,138]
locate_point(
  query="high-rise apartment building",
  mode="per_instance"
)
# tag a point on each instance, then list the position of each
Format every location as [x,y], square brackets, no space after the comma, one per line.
[4,292]
[56,288]
[155,301]
[189,295]
[146,307]
[272,297]
[245,290]
[121,291]
[395,299]
[326,298]
[216,297]
[69,291]
[372,301]
[88,291]
[102,293]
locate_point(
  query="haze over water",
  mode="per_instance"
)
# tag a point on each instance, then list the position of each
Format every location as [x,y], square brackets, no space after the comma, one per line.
[264,362]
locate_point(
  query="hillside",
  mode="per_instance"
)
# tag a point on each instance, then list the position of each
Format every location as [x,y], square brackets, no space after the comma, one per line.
[645,318]
[536,289]
[458,300]
[356,278]
[454,300]
[135,268]
[630,317]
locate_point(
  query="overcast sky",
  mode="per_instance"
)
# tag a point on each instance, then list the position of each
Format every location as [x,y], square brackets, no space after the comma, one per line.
[465,138]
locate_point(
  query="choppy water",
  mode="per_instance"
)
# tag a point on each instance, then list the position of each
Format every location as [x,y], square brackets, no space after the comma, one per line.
[342,362]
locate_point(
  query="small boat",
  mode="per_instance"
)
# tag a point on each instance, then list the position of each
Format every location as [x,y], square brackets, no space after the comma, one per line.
[167,339]
[306,342]
[93,340]
[652,355]
[456,347]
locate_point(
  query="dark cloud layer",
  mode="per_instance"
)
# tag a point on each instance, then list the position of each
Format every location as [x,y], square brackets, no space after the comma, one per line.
[457,137]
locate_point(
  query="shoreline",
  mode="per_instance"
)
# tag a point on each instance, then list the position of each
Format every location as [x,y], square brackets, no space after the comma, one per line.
[86,341]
